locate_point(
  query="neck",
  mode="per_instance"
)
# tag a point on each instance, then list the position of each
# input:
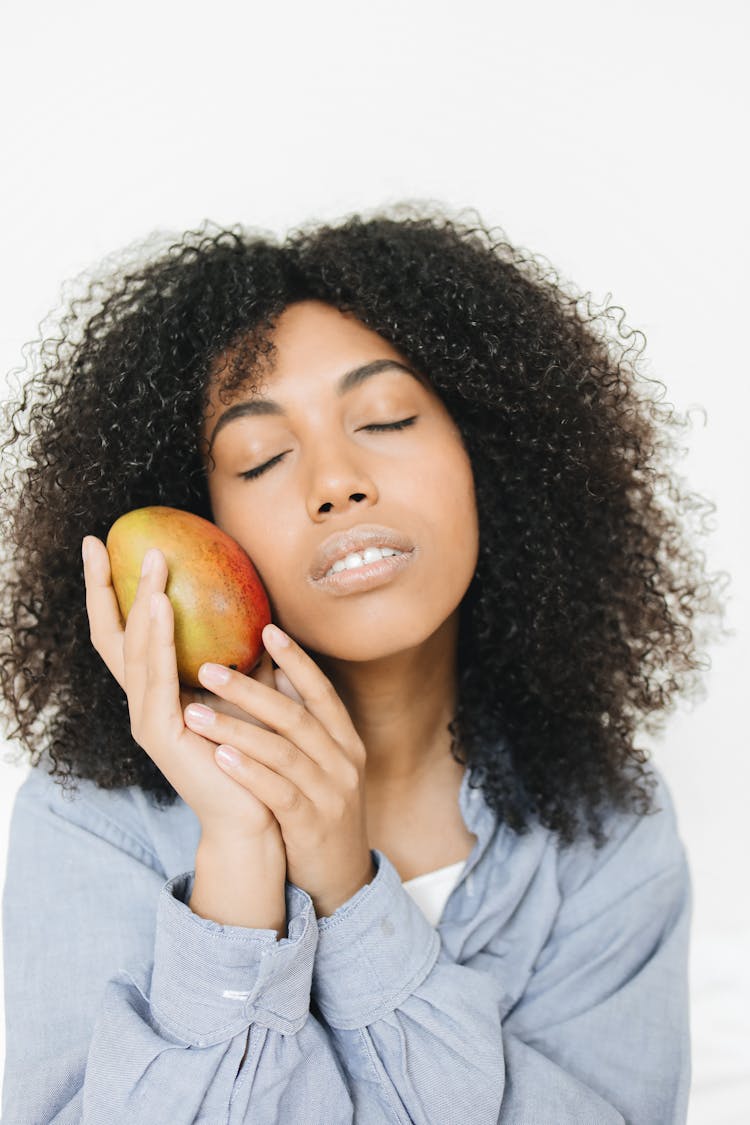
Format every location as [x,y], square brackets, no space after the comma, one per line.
[400,706]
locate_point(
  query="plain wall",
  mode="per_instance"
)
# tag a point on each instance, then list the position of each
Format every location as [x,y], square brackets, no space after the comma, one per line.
[610,139]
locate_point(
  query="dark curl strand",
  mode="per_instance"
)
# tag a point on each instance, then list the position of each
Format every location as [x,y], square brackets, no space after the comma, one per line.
[580,621]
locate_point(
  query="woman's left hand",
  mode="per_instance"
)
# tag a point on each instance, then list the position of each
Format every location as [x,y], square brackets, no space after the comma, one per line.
[308,767]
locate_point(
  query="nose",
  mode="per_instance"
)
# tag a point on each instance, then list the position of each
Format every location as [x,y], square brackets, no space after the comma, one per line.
[338,480]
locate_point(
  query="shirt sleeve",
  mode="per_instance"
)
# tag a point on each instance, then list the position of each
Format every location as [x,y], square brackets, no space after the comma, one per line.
[124,1006]
[599,1035]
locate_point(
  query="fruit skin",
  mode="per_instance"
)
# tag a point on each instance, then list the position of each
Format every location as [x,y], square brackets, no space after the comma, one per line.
[220,605]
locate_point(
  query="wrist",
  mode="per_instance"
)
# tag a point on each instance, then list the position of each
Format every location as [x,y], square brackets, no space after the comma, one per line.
[236,847]
[329,903]
[240,882]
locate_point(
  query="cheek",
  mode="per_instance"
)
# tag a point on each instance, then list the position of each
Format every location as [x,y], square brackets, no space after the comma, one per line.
[451,488]
[463,530]
[245,521]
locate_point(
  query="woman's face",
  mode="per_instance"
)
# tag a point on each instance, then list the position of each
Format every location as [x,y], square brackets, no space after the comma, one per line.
[333,473]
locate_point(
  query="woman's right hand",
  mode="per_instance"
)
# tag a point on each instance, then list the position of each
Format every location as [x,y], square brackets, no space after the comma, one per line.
[141,656]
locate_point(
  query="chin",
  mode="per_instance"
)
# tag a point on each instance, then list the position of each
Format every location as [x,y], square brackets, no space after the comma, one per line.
[365,642]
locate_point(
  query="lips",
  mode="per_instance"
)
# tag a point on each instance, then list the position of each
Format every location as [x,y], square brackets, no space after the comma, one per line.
[357,538]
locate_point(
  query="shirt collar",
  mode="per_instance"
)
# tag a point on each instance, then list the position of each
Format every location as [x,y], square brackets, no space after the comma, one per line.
[478,817]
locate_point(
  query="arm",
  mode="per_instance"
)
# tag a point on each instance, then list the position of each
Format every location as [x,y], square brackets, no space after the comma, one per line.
[598,1034]
[124,1005]
[420,1036]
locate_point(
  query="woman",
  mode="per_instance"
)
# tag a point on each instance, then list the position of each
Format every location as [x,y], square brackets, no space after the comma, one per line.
[433,879]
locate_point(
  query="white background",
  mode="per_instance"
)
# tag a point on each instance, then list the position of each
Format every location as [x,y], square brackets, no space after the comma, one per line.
[612,139]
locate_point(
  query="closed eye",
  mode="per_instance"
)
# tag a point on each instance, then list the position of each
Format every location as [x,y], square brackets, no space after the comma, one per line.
[377,427]
[249,474]
[392,425]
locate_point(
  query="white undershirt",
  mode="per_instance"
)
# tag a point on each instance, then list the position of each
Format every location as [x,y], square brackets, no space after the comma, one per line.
[431,891]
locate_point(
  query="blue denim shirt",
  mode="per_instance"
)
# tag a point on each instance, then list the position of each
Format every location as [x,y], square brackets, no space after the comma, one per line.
[553,991]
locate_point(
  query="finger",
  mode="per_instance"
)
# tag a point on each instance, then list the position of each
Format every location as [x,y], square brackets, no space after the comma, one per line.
[279,794]
[311,685]
[106,625]
[161,694]
[262,745]
[280,715]
[138,626]
[273,709]
[285,686]
[267,748]
[263,674]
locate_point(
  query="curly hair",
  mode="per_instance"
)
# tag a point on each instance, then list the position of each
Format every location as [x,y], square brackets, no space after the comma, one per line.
[581,621]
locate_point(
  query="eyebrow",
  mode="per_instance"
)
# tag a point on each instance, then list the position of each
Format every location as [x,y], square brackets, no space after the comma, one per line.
[347,382]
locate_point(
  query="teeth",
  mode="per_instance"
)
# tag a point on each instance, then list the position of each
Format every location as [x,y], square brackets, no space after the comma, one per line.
[357,559]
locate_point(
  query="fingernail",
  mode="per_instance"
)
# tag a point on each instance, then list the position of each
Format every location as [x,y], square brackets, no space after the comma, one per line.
[213,674]
[226,756]
[274,636]
[84,551]
[197,713]
[148,561]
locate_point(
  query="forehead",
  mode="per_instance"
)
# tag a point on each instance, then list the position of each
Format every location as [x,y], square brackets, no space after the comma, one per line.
[305,335]
[308,344]
[315,332]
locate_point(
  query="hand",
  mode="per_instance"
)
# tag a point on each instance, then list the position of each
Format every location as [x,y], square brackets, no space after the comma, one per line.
[305,761]
[141,656]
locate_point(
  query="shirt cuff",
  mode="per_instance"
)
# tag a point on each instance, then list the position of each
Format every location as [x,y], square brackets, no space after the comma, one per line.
[373,951]
[209,981]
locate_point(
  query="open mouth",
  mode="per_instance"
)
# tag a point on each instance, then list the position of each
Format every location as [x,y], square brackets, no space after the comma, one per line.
[367,576]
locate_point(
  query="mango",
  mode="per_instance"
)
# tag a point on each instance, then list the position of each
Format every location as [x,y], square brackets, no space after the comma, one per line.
[220,605]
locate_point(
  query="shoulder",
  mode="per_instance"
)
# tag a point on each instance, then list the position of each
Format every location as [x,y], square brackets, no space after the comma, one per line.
[639,849]
[127,817]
